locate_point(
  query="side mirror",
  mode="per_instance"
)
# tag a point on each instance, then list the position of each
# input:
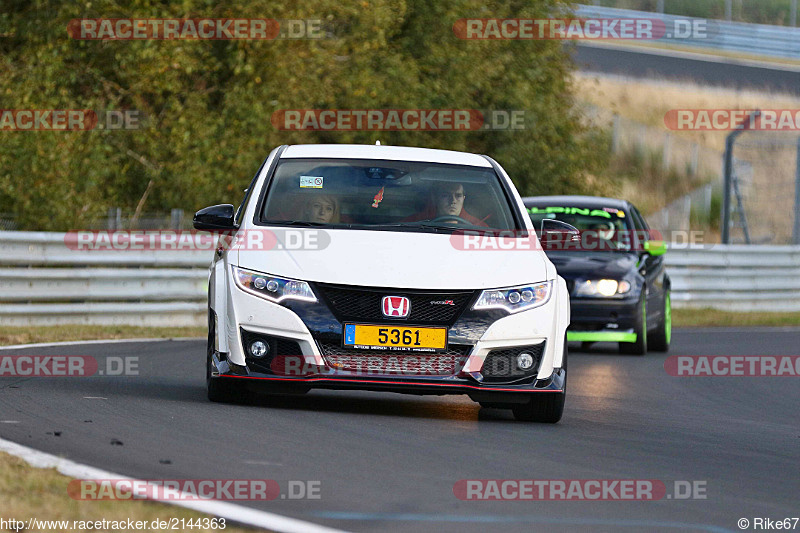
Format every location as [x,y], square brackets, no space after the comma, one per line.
[216,217]
[553,229]
[655,248]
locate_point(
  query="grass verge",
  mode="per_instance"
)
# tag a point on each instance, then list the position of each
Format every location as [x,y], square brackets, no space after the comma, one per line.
[41,493]
[689,318]
[30,334]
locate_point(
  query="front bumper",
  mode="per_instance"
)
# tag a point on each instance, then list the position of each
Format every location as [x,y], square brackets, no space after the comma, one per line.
[312,328]
[603,320]
[469,384]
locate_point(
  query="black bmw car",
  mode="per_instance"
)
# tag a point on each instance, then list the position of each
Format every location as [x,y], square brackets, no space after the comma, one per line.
[619,289]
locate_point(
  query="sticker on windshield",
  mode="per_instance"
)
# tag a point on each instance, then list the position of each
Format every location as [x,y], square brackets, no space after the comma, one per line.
[572,211]
[310,182]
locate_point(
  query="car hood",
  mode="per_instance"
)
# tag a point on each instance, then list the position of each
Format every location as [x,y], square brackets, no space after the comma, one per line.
[593,265]
[397,259]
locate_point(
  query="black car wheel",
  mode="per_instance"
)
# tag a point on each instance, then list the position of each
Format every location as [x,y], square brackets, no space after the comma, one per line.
[661,337]
[545,407]
[639,347]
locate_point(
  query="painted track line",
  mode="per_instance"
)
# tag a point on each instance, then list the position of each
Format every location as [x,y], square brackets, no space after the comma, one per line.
[229,511]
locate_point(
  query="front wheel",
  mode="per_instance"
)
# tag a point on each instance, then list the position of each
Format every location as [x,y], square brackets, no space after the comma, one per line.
[661,337]
[639,346]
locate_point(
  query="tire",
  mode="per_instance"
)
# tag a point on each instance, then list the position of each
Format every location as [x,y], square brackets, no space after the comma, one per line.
[544,407]
[224,390]
[662,336]
[640,328]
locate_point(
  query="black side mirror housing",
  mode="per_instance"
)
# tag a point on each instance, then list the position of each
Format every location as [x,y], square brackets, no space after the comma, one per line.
[557,230]
[215,218]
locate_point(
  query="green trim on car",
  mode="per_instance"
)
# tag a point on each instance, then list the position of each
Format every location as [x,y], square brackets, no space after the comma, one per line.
[668,317]
[600,336]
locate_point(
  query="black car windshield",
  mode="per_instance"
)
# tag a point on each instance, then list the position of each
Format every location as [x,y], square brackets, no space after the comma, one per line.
[394,195]
[602,227]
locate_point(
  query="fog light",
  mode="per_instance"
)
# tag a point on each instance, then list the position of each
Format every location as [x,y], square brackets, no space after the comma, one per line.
[524,361]
[259,349]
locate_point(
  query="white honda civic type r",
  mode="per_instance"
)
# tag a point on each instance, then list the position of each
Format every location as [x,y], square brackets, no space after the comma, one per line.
[384,268]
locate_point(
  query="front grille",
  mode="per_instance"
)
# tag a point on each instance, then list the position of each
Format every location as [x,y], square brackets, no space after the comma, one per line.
[350,304]
[277,347]
[445,363]
[500,366]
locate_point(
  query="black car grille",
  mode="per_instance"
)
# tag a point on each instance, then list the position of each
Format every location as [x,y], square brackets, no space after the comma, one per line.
[500,366]
[444,363]
[351,304]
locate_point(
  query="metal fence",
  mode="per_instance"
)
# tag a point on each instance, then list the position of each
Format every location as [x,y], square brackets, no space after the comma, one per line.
[757,39]
[44,282]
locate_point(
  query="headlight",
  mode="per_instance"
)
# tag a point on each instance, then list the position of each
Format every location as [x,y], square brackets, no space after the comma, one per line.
[271,287]
[601,287]
[515,299]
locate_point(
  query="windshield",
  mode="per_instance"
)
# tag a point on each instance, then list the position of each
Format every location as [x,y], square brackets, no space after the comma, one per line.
[601,227]
[398,195]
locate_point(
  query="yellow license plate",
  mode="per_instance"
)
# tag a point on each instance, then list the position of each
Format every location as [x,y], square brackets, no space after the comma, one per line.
[394,337]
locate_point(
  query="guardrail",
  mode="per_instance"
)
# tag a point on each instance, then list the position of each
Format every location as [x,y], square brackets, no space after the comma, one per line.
[43,282]
[753,39]
[736,277]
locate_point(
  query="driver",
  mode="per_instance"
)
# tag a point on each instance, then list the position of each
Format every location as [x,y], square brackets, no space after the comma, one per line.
[447,199]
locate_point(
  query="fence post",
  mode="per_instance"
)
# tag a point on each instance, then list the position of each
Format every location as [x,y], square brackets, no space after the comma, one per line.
[728,10]
[666,154]
[695,159]
[793,14]
[728,175]
[176,219]
[615,134]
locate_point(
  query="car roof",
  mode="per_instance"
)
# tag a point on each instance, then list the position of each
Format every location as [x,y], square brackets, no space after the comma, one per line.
[576,201]
[391,153]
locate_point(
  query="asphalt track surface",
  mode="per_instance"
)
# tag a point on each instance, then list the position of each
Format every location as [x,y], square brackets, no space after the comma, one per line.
[388,462]
[688,67]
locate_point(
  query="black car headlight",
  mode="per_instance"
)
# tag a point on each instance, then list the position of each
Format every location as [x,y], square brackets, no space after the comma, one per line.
[601,288]
[515,299]
[273,288]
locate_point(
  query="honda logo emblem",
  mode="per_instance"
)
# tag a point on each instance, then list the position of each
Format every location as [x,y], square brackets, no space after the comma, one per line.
[395,306]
